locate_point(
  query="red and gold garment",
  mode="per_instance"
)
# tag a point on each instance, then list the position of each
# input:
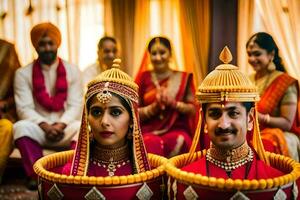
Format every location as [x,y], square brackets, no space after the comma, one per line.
[253,170]
[273,138]
[174,129]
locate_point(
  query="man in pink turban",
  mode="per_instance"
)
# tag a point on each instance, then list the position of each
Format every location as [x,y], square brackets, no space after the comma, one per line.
[48,99]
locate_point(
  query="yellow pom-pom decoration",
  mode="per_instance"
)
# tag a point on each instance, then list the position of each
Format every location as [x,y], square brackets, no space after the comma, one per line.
[115,180]
[212,181]
[220,182]
[246,184]
[262,183]
[107,180]
[238,184]
[254,184]
[229,183]
[100,180]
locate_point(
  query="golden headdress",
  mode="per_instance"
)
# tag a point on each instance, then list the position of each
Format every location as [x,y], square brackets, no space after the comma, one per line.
[116,81]
[228,84]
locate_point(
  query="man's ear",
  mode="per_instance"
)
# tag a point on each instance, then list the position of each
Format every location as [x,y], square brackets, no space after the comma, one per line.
[250,119]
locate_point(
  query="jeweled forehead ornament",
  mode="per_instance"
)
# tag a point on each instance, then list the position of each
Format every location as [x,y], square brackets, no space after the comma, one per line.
[104,96]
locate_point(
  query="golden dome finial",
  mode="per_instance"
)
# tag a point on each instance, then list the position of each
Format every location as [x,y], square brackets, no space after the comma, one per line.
[116,63]
[225,55]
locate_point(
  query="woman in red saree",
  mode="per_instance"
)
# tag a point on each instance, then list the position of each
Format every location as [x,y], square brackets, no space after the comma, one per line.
[279,105]
[167,105]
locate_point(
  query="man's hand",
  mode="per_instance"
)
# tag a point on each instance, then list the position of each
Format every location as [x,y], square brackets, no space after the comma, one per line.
[54,133]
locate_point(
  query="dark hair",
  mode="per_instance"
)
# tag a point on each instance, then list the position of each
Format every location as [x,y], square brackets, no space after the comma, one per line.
[266,41]
[247,105]
[122,100]
[161,40]
[103,39]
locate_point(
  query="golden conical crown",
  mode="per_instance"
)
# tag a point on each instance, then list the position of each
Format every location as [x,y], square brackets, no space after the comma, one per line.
[116,75]
[227,83]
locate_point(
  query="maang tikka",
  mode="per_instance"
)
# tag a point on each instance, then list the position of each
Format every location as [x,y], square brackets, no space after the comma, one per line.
[104,96]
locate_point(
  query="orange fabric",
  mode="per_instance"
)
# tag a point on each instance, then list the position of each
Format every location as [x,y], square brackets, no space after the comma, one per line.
[268,102]
[40,30]
[274,93]
[276,137]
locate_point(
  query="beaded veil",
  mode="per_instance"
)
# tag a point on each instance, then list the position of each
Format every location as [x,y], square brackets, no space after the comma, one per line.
[116,81]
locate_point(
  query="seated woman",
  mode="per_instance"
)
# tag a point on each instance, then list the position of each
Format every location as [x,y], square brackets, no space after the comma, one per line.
[236,165]
[279,104]
[110,152]
[167,104]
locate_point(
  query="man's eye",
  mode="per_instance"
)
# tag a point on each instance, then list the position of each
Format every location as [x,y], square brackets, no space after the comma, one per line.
[234,114]
[96,112]
[214,114]
[116,112]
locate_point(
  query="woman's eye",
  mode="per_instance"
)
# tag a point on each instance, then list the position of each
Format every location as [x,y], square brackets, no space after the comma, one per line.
[96,112]
[116,112]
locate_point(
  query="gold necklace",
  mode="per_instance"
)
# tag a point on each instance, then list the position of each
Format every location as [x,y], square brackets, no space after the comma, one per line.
[231,159]
[110,158]
[111,165]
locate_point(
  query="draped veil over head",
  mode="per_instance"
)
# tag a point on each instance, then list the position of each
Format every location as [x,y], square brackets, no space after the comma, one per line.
[116,81]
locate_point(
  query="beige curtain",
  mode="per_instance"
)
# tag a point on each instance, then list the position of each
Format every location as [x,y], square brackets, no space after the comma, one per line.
[80,22]
[141,31]
[281,19]
[245,30]
[195,28]
[122,27]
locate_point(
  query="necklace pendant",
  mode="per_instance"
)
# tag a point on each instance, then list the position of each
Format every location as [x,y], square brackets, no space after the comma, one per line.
[110,173]
[228,159]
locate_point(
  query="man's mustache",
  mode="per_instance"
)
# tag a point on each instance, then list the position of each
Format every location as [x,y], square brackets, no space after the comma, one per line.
[221,131]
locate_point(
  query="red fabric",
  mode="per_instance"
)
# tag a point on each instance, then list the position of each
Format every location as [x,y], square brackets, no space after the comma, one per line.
[110,192]
[258,170]
[173,121]
[51,103]
[30,151]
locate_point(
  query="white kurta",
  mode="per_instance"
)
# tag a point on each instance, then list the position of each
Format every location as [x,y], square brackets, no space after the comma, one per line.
[32,113]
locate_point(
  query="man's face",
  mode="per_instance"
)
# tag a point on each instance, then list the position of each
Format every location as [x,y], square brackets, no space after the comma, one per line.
[47,50]
[107,53]
[227,124]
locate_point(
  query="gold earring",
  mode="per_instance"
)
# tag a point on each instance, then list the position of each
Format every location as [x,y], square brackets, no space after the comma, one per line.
[130,132]
[89,128]
[205,129]
[271,66]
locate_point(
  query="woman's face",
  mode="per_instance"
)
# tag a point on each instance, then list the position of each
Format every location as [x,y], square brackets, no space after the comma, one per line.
[109,122]
[160,56]
[258,57]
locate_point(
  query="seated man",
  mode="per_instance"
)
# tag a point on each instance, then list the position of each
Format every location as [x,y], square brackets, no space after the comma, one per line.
[48,95]
[9,63]
[235,166]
